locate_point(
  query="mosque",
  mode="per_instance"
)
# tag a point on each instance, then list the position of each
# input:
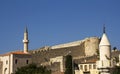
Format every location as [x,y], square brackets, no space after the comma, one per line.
[10,61]
[91,55]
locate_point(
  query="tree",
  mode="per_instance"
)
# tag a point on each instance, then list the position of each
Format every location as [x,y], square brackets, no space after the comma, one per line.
[114,48]
[117,70]
[33,69]
[68,65]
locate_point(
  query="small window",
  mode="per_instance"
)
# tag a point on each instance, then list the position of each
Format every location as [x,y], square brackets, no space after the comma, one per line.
[6,61]
[90,67]
[81,67]
[85,67]
[27,61]
[94,66]
[16,61]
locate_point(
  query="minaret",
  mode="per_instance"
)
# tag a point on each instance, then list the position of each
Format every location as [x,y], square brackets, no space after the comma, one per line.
[25,41]
[105,54]
[105,47]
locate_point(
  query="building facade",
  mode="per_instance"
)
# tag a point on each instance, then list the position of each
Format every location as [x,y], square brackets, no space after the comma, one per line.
[13,60]
[87,68]
[9,62]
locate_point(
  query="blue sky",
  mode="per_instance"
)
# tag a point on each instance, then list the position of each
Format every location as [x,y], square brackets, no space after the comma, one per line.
[52,22]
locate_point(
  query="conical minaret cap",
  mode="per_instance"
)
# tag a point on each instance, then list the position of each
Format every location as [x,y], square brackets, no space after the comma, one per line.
[104,40]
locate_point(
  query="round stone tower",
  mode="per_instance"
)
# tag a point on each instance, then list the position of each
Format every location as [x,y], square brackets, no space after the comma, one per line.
[105,63]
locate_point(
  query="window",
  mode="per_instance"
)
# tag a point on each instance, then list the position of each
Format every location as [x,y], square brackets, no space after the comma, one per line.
[27,61]
[94,66]
[81,67]
[90,67]
[6,61]
[85,67]
[16,61]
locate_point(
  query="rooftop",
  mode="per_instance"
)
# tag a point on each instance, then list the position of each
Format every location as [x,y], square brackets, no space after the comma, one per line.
[15,52]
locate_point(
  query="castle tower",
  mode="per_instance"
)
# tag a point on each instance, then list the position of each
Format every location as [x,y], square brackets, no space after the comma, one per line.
[105,54]
[25,41]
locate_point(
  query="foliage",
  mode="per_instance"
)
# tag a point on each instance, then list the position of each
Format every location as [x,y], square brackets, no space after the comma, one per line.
[33,69]
[117,70]
[68,65]
[114,48]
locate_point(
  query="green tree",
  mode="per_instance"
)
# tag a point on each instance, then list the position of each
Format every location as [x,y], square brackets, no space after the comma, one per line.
[114,48]
[117,70]
[33,69]
[68,65]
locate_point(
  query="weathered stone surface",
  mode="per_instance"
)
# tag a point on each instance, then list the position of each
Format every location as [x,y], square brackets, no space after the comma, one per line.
[78,50]
[91,46]
[1,67]
[86,47]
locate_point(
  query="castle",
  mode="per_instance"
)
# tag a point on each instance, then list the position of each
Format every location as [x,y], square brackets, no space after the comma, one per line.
[90,56]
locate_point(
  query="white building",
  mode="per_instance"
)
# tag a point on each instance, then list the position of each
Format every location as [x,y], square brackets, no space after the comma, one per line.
[9,62]
[13,60]
[87,67]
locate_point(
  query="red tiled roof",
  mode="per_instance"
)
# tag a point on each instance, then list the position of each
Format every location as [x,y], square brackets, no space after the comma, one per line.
[14,52]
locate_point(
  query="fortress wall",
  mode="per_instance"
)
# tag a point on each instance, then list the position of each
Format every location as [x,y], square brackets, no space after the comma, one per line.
[70,44]
[91,46]
[44,56]
[86,47]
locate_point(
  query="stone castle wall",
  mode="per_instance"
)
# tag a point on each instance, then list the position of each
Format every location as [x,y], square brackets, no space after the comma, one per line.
[86,47]
[77,49]
[70,44]
[91,46]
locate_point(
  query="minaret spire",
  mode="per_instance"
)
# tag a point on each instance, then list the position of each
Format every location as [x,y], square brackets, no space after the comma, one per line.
[25,40]
[104,39]
[104,28]
[26,31]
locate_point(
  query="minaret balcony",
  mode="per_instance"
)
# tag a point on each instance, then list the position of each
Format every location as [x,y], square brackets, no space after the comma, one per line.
[25,41]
